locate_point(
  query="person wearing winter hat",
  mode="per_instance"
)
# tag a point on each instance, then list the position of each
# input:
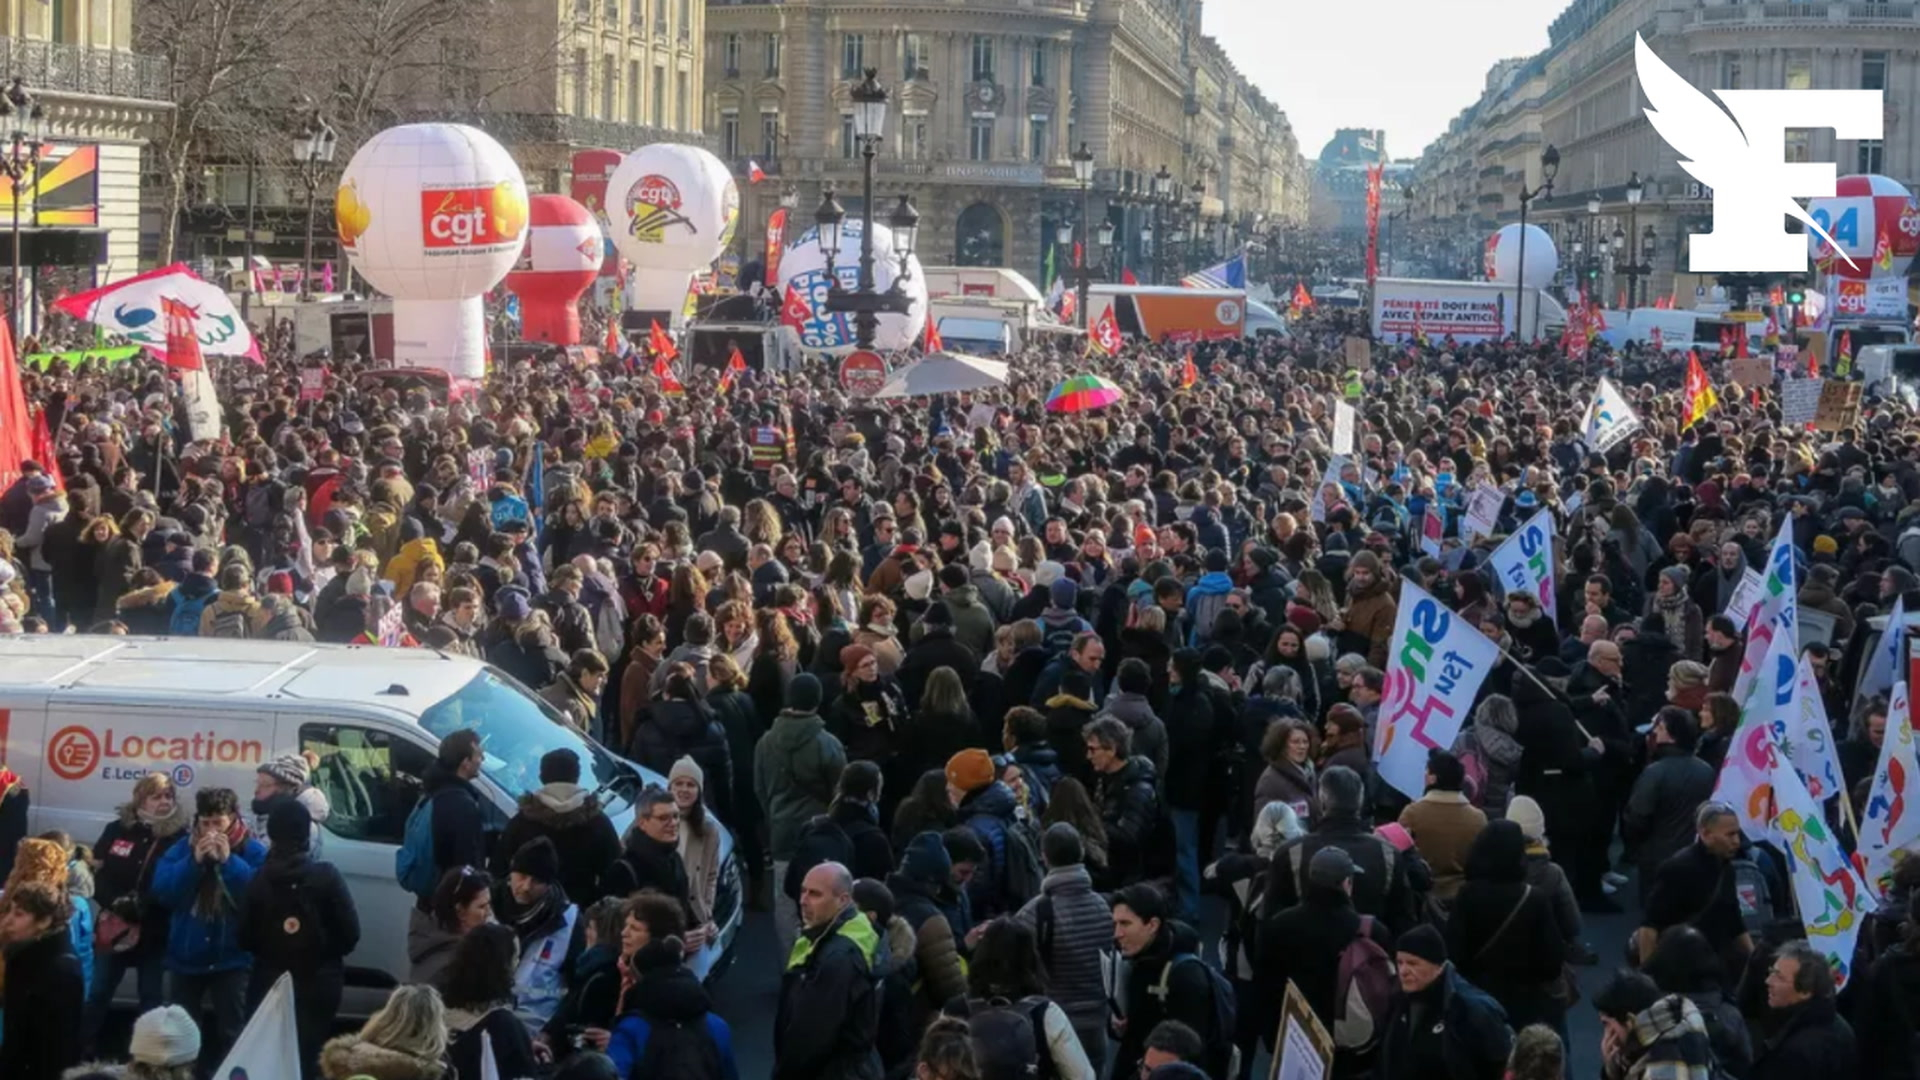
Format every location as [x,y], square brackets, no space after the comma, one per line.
[917,887]
[796,769]
[570,816]
[165,1046]
[539,912]
[989,808]
[286,778]
[699,843]
[1671,609]
[1547,877]
[1440,1026]
[299,918]
[1060,622]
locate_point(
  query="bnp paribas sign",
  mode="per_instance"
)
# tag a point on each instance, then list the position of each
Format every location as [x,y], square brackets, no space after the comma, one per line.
[1739,151]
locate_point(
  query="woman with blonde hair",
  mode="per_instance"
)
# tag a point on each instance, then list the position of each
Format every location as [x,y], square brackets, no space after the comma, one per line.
[761,523]
[405,1040]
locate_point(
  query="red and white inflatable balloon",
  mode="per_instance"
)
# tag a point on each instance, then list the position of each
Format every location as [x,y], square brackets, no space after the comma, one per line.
[1874,221]
[559,262]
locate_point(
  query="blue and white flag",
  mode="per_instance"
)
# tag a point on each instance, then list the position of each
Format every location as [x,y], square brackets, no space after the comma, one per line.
[1608,418]
[1884,667]
[1231,274]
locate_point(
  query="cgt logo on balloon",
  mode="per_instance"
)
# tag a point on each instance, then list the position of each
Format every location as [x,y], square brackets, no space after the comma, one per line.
[1525,562]
[1435,666]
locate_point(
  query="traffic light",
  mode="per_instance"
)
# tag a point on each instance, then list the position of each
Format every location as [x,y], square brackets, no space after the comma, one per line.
[1796,292]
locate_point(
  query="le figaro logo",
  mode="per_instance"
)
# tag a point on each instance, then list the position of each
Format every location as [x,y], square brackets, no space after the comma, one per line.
[76,752]
[1740,152]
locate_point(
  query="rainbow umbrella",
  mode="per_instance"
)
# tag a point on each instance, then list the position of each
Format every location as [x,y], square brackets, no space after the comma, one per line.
[1083,392]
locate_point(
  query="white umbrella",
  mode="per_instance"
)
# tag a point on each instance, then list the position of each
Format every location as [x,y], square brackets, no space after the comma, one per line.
[944,373]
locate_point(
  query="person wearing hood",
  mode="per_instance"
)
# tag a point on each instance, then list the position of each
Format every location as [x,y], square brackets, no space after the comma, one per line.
[829,1011]
[44,987]
[287,620]
[405,567]
[667,1025]
[572,818]
[1130,702]
[1490,742]
[1505,933]
[796,769]
[135,933]
[299,919]
[541,915]
[1441,1027]
[1367,623]
[201,881]
[986,806]
[195,594]
[1532,632]
[1208,598]
[923,874]
[1267,587]
[148,608]
[1165,979]
[1556,768]
[1644,1033]
[696,648]
[1060,621]
[236,612]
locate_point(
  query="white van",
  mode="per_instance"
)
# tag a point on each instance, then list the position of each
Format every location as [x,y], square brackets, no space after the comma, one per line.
[83,717]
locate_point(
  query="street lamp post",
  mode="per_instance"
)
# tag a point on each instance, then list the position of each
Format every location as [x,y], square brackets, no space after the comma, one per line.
[1593,241]
[1636,190]
[1105,236]
[865,302]
[1082,172]
[1549,168]
[1162,197]
[17,106]
[314,150]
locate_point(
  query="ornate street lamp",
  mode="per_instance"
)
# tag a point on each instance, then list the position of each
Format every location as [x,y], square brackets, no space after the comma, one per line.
[1549,168]
[27,118]
[314,151]
[1083,174]
[865,303]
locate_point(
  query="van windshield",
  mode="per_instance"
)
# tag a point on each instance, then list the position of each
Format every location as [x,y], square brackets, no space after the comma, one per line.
[516,729]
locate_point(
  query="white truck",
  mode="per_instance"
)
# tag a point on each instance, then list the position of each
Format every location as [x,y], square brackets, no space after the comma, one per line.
[1468,311]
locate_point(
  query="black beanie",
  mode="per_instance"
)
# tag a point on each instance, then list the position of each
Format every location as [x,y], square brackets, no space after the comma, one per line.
[803,693]
[289,825]
[537,859]
[1424,942]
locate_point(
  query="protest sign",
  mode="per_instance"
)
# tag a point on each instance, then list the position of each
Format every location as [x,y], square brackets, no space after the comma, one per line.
[1483,512]
[1525,562]
[1800,400]
[1359,353]
[1343,425]
[1752,371]
[1839,406]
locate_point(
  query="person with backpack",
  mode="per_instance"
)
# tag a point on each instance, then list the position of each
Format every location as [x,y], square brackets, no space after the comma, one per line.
[1383,889]
[1207,599]
[236,612]
[478,988]
[667,1027]
[1011,874]
[1018,1032]
[1060,622]
[298,918]
[796,768]
[917,885]
[447,829]
[1166,980]
[825,1026]
[189,601]
[1503,935]
[1031,764]
[201,881]
[1338,957]
[1073,931]
[1441,1027]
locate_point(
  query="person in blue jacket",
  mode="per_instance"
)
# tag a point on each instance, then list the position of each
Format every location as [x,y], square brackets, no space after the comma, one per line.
[669,1027]
[201,881]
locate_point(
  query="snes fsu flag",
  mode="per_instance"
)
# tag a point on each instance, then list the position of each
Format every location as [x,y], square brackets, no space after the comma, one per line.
[134,309]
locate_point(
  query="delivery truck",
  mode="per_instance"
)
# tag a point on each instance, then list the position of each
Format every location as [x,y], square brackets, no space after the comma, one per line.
[1170,313]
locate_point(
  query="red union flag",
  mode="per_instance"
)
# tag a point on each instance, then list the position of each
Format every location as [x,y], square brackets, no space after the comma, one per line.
[183,344]
[795,311]
[1105,335]
[776,244]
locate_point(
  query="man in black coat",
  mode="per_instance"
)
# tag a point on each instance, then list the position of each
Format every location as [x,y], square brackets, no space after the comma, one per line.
[1658,819]
[652,856]
[1302,942]
[1809,1037]
[1555,770]
[570,816]
[459,826]
[1381,889]
[1165,980]
[299,918]
[1441,1027]
[829,1011]
[937,648]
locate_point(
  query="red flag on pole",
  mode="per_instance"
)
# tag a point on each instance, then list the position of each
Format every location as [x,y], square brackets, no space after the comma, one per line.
[660,343]
[736,367]
[183,344]
[1374,175]
[795,312]
[1127,277]
[612,346]
[930,342]
[43,451]
[1105,335]
[754,173]
[1188,373]
[15,427]
[669,383]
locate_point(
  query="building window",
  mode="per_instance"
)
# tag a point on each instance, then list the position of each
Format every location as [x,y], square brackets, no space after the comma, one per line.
[730,54]
[582,76]
[849,143]
[729,134]
[1799,145]
[637,15]
[980,139]
[770,135]
[853,55]
[633,92]
[1730,73]
[1799,69]
[771,55]
[659,97]
[1873,70]
[686,20]
[609,87]
[1872,154]
[1037,138]
[982,58]
[682,103]
[913,138]
[1039,64]
[613,12]
[916,65]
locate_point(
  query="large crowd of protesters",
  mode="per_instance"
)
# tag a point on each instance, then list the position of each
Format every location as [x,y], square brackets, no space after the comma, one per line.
[994,702]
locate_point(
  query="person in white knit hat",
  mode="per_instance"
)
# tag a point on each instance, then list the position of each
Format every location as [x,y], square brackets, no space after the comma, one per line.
[699,842]
[288,776]
[166,1046]
[1546,876]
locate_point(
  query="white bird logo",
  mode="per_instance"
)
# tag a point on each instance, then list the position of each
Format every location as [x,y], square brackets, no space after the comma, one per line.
[1704,133]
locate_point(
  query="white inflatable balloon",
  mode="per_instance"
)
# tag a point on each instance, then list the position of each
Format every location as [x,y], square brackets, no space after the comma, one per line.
[434,216]
[1503,256]
[672,210]
[803,270]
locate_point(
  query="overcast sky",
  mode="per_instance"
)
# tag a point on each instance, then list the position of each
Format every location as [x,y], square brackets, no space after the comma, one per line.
[1408,66]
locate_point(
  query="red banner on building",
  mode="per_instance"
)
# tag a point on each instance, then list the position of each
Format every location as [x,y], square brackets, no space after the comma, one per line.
[776,244]
[1374,174]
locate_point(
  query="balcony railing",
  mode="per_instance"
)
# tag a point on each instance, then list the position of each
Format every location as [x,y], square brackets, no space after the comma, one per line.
[79,69]
[1821,11]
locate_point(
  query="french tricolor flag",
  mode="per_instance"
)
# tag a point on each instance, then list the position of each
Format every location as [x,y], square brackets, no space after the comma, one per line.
[754,173]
